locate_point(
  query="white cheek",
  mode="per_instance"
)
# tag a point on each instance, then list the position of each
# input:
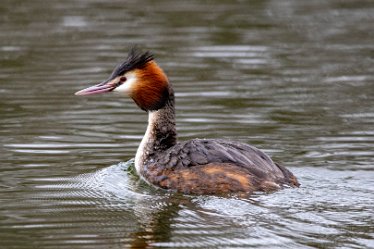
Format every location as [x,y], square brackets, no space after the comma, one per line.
[127,85]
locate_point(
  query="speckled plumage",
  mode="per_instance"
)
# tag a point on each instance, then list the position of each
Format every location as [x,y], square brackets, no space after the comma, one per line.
[198,166]
[205,166]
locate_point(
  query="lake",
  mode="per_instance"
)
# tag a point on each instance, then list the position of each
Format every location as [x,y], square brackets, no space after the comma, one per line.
[293,78]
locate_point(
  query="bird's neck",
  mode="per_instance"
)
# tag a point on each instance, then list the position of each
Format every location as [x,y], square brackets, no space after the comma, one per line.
[161,133]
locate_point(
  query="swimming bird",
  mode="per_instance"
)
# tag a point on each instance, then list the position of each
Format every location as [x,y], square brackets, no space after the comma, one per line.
[197,166]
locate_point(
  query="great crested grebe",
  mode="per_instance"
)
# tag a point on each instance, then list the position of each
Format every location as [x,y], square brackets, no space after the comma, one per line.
[197,166]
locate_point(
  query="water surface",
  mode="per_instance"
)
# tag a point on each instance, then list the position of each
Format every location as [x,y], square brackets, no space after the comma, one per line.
[294,78]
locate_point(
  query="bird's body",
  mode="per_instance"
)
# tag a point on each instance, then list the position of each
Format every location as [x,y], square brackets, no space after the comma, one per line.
[198,166]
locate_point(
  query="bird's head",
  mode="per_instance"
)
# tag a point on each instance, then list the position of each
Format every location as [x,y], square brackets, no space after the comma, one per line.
[139,77]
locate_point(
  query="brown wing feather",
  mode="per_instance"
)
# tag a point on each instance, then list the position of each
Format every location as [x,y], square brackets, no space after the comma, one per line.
[228,156]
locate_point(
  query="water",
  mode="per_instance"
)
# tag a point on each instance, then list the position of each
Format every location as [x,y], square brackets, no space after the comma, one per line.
[294,78]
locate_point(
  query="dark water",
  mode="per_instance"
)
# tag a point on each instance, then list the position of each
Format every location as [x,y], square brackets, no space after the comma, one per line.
[294,78]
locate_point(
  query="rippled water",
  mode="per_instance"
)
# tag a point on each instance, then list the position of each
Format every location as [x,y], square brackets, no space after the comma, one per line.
[294,78]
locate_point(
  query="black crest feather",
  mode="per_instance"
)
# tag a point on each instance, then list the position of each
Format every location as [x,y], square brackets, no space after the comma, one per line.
[135,59]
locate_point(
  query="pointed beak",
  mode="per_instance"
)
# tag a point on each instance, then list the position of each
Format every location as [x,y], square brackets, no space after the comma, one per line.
[99,88]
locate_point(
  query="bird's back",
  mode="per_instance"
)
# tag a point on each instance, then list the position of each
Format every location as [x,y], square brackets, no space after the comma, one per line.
[217,166]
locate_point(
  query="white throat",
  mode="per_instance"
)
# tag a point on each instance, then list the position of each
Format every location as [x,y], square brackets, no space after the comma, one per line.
[143,150]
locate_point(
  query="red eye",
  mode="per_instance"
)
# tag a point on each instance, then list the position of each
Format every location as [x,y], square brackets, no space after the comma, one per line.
[122,79]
